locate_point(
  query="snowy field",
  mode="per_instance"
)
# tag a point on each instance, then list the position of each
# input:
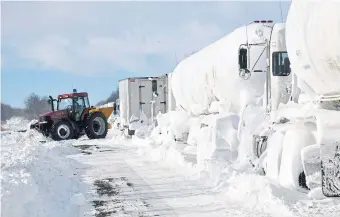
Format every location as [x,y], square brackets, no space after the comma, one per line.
[137,176]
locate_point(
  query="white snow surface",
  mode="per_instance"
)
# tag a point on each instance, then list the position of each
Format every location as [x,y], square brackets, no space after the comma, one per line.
[16,124]
[142,176]
[37,179]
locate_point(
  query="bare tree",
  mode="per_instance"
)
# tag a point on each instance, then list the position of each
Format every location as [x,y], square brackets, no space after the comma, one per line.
[112,98]
[7,112]
[36,105]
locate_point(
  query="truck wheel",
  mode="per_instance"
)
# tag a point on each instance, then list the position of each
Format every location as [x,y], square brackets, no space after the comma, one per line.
[62,130]
[96,126]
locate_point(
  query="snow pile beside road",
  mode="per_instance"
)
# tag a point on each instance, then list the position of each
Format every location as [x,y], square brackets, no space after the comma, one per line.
[257,193]
[37,179]
[192,142]
[16,124]
[166,141]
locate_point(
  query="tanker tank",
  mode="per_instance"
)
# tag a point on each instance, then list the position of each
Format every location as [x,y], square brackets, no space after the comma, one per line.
[212,74]
[314,50]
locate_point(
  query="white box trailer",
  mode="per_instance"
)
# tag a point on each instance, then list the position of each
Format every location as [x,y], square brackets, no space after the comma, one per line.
[139,95]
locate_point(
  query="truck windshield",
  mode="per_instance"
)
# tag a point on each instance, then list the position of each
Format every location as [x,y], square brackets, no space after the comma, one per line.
[281,65]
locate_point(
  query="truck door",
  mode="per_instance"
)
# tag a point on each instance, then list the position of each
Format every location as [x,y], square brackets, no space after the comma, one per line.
[281,79]
[145,97]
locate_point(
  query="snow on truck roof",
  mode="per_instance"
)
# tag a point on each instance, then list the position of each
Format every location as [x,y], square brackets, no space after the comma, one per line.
[146,78]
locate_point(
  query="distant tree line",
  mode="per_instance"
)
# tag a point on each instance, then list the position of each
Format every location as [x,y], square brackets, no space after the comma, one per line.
[112,98]
[34,105]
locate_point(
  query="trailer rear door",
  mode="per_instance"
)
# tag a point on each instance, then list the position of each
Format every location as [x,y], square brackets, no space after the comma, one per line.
[159,87]
[145,97]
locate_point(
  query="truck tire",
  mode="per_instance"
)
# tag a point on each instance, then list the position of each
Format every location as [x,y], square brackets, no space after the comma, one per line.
[62,130]
[96,126]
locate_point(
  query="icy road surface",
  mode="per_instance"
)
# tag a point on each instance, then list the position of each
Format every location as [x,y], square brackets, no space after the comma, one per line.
[127,184]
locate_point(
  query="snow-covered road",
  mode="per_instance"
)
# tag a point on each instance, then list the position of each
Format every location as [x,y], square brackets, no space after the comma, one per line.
[140,187]
[124,177]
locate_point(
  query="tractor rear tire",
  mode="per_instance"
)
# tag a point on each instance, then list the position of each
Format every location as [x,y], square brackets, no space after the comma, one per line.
[62,130]
[96,126]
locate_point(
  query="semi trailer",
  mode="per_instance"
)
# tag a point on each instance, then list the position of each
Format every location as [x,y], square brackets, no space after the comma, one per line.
[141,99]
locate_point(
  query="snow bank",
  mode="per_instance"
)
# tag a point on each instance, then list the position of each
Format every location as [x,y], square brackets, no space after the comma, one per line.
[37,179]
[258,194]
[216,73]
[184,140]
[16,124]
[291,164]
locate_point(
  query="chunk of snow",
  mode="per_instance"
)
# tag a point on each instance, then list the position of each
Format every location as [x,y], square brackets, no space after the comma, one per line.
[316,194]
[274,153]
[291,166]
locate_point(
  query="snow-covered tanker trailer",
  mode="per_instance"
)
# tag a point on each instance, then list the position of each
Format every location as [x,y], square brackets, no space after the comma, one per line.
[215,72]
[298,142]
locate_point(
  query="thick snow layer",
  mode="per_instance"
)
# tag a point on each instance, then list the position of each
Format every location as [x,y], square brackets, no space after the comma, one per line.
[216,73]
[312,35]
[139,177]
[316,193]
[37,179]
[274,153]
[291,165]
[252,192]
[16,124]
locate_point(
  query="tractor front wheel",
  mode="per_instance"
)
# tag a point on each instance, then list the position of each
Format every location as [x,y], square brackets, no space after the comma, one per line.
[62,130]
[96,126]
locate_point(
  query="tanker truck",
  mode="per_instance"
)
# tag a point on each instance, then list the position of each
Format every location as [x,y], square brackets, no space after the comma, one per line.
[282,81]
[298,140]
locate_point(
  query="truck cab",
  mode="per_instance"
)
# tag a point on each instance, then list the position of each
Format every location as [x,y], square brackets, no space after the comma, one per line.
[278,82]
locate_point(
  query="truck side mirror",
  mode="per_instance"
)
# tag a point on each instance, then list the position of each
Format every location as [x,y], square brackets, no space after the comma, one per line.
[242,58]
[286,66]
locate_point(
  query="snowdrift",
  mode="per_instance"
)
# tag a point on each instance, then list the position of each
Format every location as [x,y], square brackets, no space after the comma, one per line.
[216,73]
[314,60]
[37,179]
[16,124]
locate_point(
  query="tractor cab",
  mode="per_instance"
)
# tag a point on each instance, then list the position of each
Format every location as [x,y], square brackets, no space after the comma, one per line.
[74,103]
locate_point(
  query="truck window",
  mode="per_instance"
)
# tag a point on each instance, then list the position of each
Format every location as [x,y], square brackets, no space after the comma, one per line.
[281,64]
[154,86]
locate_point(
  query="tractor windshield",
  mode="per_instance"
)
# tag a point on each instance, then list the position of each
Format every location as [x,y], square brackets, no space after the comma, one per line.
[65,103]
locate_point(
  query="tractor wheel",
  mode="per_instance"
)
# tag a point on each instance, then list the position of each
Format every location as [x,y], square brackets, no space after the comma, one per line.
[62,130]
[96,126]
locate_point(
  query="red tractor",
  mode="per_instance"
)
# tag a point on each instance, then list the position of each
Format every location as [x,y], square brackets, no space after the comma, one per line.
[72,117]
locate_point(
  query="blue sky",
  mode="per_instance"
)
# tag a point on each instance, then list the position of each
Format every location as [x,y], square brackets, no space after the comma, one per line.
[50,47]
